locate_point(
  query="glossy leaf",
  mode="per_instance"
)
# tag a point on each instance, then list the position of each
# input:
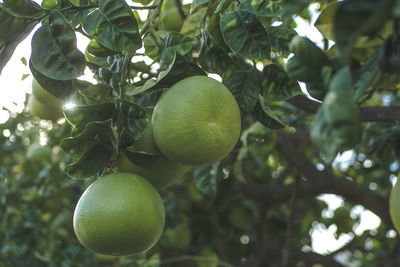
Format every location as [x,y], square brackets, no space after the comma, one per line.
[114,26]
[222,6]
[213,59]
[326,20]
[336,126]
[245,87]
[266,116]
[359,17]
[12,31]
[197,3]
[24,9]
[54,52]
[62,89]
[206,179]
[214,32]
[94,133]
[80,116]
[90,164]
[177,70]
[175,43]
[262,8]
[280,37]
[245,35]
[276,85]
[134,119]
[191,25]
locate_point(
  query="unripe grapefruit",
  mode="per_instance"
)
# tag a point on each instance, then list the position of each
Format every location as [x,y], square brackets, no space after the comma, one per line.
[119,214]
[394,206]
[159,170]
[43,110]
[196,122]
[44,96]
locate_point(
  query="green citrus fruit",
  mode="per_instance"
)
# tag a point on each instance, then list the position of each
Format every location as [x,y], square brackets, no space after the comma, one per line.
[394,206]
[178,237]
[156,168]
[119,214]
[43,110]
[171,20]
[44,96]
[196,122]
[101,61]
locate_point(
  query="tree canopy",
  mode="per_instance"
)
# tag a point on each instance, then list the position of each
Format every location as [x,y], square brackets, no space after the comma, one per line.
[258,206]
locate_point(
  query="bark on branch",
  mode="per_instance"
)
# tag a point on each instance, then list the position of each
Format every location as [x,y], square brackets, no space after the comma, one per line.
[317,182]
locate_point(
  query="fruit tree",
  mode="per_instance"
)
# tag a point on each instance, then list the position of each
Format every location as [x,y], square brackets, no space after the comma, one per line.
[211,133]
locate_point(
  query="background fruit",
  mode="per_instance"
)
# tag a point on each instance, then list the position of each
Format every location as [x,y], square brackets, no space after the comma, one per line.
[156,168]
[171,20]
[44,96]
[119,214]
[42,110]
[394,204]
[178,237]
[196,122]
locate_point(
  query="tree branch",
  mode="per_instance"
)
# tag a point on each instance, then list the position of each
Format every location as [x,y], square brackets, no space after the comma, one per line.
[367,114]
[316,182]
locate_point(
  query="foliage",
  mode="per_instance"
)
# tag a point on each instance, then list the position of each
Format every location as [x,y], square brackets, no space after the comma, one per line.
[285,157]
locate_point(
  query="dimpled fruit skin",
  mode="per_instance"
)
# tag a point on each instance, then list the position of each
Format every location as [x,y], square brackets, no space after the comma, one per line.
[394,206]
[196,122]
[119,214]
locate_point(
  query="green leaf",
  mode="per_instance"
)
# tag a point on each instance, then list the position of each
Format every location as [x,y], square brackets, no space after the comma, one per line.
[12,31]
[196,4]
[280,37]
[367,75]
[222,6]
[262,8]
[308,62]
[134,119]
[266,116]
[206,179]
[290,7]
[24,9]
[336,126]
[90,164]
[326,20]
[95,133]
[245,35]
[214,59]
[152,43]
[360,17]
[80,116]
[175,43]
[308,53]
[390,58]
[54,52]
[192,24]
[245,87]
[60,89]
[114,26]
[177,70]
[276,85]
[214,32]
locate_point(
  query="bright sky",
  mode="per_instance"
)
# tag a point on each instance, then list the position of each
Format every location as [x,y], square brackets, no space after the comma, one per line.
[12,97]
